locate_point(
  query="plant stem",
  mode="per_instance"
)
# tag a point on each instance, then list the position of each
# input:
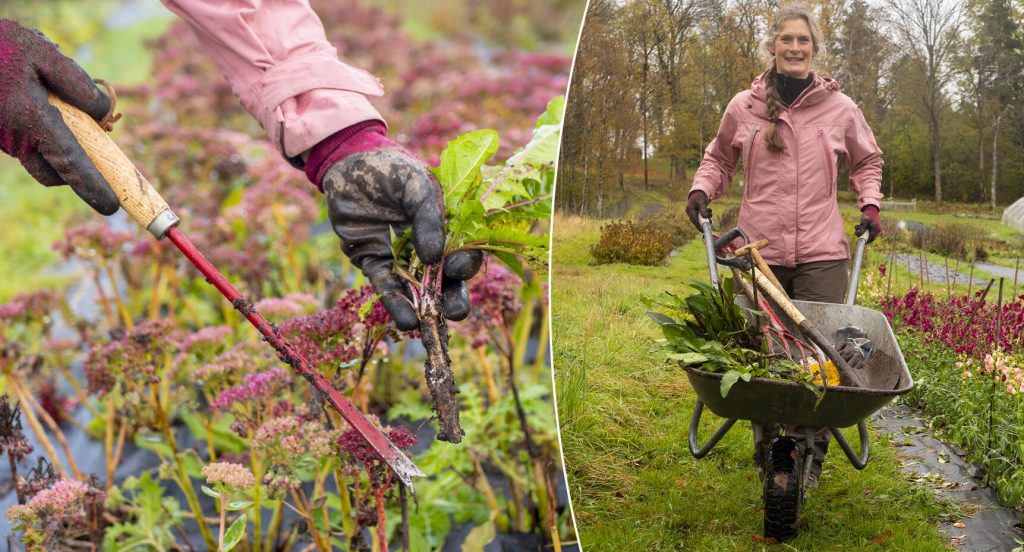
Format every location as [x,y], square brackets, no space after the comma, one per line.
[58,434]
[108,442]
[183,478]
[274,529]
[485,367]
[104,301]
[437,368]
[223,520]
[257,518]
[33,422]
[121,308]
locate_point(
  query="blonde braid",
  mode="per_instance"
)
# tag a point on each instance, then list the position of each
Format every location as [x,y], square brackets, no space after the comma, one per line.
[775,106]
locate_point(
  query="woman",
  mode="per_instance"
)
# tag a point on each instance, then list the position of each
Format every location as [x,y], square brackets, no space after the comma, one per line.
[790,129]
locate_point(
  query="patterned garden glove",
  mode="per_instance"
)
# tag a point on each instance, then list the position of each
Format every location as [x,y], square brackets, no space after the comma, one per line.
[869,221]
[697,204]
[32,130]
[373,184]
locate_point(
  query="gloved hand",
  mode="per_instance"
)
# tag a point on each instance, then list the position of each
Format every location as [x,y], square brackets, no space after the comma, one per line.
[697,204]
[32,130]
[869,221]
[373,184]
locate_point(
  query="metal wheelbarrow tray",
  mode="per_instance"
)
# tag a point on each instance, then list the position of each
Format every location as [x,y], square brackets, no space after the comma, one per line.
[777,401]
[771,401]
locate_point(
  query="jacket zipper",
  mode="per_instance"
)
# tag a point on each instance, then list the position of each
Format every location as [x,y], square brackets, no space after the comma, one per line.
[750,157]
[828,161]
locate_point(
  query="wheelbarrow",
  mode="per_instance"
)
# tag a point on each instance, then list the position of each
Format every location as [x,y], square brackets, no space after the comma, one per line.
[768,402]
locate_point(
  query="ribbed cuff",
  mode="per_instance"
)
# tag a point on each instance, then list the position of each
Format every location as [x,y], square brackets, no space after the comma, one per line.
[358,138]
[870,210]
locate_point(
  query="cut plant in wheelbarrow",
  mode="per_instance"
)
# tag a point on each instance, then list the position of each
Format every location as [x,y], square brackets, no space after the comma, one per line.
[488,209]
[708,329]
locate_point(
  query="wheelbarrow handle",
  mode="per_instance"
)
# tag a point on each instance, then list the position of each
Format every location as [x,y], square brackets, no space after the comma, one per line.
[858,259]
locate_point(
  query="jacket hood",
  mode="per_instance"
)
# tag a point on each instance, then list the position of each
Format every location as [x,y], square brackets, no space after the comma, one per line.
[819,89]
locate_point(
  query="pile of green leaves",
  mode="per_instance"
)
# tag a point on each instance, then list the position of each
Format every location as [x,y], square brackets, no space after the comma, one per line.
[709,330]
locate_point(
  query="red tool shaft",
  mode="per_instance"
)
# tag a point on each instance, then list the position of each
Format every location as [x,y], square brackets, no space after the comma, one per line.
[391,454]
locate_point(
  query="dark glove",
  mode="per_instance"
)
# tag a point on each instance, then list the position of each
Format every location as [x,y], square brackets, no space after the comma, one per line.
[32,130]
[697,204]
[869,221]
[372,185]
[853,345]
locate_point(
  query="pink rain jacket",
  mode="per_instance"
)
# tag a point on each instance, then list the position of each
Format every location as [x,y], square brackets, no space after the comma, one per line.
[789,197]
[276,57]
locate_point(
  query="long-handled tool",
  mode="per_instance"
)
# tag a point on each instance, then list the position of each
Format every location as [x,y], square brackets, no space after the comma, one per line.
[847,375]
[145,205]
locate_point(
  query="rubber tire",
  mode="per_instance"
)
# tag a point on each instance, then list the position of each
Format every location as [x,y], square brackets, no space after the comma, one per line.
[782,490]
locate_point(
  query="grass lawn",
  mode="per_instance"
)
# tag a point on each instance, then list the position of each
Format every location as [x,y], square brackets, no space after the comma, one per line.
[624,417]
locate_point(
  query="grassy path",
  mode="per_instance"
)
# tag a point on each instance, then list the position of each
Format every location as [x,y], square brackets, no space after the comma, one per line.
[625,413]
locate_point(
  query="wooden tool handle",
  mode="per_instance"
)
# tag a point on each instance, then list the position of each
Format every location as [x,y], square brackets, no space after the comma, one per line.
[778,296]
[136,194]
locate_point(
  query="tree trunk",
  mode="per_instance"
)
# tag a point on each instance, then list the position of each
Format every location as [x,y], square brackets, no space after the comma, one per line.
[981,149]
[936,166]
[995,158]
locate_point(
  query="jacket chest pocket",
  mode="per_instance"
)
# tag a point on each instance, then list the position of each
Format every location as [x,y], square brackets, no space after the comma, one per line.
[829,169]
[748,161]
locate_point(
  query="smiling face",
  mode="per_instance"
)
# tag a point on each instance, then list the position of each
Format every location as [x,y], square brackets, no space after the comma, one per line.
[793,49]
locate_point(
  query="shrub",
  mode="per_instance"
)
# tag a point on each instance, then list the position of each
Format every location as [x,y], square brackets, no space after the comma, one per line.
[674,222]
[954,239]
[632,243]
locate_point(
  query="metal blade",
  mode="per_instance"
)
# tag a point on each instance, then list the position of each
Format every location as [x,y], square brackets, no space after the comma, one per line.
[403,467]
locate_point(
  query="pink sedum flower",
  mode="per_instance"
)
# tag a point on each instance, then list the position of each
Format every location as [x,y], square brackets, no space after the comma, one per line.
[60,498]
[235,476]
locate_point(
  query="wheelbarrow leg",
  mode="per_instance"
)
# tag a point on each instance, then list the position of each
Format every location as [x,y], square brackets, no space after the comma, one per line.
[862,431]
[702,451]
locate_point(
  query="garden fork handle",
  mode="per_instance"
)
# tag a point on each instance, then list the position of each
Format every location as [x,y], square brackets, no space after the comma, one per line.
[137,196]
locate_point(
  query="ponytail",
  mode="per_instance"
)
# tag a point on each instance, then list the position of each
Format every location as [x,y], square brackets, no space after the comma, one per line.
[775,106]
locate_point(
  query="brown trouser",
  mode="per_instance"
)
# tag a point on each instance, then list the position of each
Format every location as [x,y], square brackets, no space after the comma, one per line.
[824,282]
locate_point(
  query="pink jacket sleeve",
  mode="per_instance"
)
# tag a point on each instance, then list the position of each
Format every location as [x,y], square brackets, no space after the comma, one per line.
[865,159]
[276,57]
[720,158]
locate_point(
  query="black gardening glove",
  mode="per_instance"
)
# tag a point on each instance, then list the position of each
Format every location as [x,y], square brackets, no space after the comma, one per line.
[697,204]
[372,185]
[32,130]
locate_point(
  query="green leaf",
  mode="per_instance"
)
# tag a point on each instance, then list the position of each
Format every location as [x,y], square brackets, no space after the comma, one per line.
[209,492]
[689,359]
[461,161]
[154,442]
[365,308]
[479,536]
[542,149]
[239,505]
[234,533]
[553,113]
[730,378]
[660,318]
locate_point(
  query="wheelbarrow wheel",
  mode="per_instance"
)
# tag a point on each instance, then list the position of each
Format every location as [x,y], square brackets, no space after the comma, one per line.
[782,489]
